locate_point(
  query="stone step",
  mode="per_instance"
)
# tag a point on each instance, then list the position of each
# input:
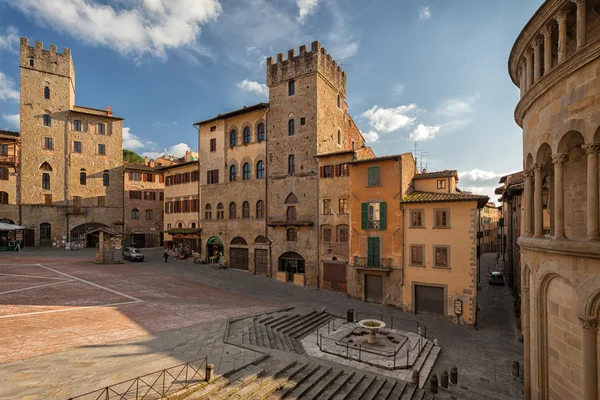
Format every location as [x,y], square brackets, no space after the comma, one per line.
[264,318]
[301,391]
[349,388]
[279,382]
[387,389]
[252,335]
[294,382]
[283,321]
[277,339]
[428,365]
[375,389]
[279,317]
[398,390]
[258,335]
[294,322]
[301,323]
[319,390]
[310,327]
[408,392]
[222,382]
[418,395]
[252,374]
[297,346]
[335,387]
[261,385]
[360,391]
[421,359]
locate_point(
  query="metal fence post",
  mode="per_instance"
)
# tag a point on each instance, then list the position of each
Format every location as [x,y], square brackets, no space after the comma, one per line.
[425,331]
[359,351]
[186,374]
[137,388]
[164,376]
[317,335]
[107,394]
[347,350]
[407,357]
[395,359]
[417,325]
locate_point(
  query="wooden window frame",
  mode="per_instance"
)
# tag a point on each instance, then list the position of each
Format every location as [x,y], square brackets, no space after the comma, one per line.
[435,218]
[411,222]
[411,261]
[448,257]
[441,184]
[213,145]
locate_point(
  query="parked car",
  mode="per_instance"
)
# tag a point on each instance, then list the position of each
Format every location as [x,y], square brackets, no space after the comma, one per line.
[497,278]
[133,254]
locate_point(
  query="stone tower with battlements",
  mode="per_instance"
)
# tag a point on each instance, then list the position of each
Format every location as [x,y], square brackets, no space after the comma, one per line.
[307,117]
[71,170]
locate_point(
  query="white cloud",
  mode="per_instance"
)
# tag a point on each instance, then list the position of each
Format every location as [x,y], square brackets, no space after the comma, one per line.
[453,108]
[7,89]
[177,150]
[424,13]
[390,119]
[253,87]
[13,120]
[424,132]
[136,27]
[130,141]
[306,8]
[9,41]
[371,137]
[479,175]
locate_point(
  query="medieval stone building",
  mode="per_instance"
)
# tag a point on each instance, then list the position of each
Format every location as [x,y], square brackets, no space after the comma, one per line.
[555,62]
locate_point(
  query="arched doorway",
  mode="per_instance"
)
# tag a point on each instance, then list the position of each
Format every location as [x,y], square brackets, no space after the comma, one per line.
[45,234]
[292,263]
[214,248]
[238,253]
[80,233]
[7,221]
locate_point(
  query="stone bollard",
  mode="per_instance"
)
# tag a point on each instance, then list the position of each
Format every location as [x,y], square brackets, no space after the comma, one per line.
[454,375]
[210,372]
[433,383]
[444,379]
[415,377]
[435,342]
[515,368]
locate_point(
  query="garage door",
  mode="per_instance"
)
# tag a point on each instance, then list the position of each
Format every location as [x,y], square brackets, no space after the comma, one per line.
[373,289]
[335,276]
[429,300]
[261,261]
[238,258]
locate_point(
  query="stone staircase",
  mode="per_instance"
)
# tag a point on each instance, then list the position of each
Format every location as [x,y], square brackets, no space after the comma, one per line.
[281,330]
[273,379]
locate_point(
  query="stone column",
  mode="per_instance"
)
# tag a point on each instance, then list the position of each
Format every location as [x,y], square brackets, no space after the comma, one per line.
[561,18]
[547,32]
[521,75]
[526,323]
[538,207]
[592,150]
[559,204]
[529,68]
[537,59]
[581,22]
[590,363]
[528,202]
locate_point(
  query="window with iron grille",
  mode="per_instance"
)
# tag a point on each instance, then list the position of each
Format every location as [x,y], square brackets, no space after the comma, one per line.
[343,233]
[326,235]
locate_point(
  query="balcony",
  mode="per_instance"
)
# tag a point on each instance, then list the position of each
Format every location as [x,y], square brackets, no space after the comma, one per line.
[6,159]
[376,264]
[374,224]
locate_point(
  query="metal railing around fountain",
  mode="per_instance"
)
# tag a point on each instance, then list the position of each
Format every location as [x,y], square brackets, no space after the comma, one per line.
[358,315]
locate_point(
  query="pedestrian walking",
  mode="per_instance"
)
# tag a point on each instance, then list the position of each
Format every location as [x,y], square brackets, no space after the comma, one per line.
[166,255]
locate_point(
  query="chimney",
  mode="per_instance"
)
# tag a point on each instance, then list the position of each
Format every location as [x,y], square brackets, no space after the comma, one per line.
[145,160]
[424,171]
[152,163]
[108,112]
[170,158]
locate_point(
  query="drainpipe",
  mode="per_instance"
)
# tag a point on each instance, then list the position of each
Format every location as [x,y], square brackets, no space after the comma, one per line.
[402,243]
[266,203]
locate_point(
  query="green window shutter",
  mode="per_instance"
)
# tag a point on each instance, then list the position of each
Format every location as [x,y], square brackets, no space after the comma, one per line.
[376,176]
[382,216]
[369,176]
[365,215]
[373,251]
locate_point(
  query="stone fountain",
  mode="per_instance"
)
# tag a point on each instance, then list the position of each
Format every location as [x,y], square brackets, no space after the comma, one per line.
[372,325]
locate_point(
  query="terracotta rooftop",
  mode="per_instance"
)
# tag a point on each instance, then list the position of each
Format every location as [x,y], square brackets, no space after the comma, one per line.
[9,134]
[140,167]
[235,112]
[517,177]
[335,153]
[437,174]
[183,164]
[377,159]
[434,197]
[94,111]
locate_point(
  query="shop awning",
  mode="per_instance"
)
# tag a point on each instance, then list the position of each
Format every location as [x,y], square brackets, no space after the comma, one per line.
[183,231]
[10,227]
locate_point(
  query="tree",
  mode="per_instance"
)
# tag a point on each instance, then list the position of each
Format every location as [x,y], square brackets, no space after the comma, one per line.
[132,157]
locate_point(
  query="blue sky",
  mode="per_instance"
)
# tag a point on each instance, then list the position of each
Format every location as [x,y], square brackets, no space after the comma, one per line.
[434,71]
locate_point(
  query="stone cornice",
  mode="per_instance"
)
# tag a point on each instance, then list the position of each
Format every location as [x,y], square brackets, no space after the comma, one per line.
[587,54]
[536,23]
[578,248]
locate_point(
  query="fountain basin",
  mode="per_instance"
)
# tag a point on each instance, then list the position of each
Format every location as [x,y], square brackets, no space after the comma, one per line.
[372,325]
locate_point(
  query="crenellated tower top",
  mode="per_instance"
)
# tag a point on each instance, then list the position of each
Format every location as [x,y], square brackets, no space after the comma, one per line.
[50,61]
[306,62]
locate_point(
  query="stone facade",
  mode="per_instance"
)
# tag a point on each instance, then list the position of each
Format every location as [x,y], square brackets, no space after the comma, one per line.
[71,174]
[9,167]
[556,64]
[143,204]
[488,228]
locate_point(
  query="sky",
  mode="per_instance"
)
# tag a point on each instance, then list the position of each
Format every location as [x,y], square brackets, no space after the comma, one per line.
[430,72]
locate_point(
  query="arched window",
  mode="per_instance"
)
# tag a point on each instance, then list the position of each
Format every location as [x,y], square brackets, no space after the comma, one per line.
[232,173]
[291,199]
[220,211]
[245,210]
[233,138]
[291,214]
[31,64]
[47,118]
[3,198]
[208,211]
[260,209]
[246,135]
[135,214]
[260,170]
[46,92]
[4,174]
[260,132]
[232,211]
[149,215]
[339,137]
[291,235]
[105,178]
[82,177]
[246,171]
